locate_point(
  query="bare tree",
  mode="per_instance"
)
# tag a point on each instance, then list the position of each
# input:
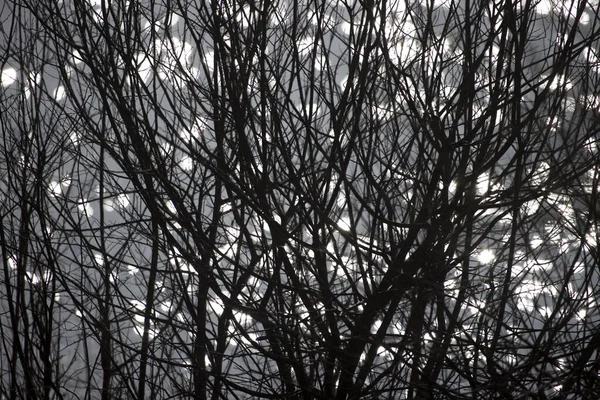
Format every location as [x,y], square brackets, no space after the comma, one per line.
[299,199]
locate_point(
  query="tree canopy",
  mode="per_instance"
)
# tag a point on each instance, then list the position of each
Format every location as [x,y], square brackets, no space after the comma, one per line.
[354,199]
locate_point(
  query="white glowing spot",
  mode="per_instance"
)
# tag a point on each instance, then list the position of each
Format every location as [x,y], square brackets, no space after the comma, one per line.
[144,66]
[8,77]
[452,187]
[246,17]
[557,388]
[186,163]
[76,57]
[570,105]
[75,138]
[545,311]
[330,248]
[185,266]
[166,149]
[536,242]
[544,7]
[448,92]
[174,20]
[306,45]
[483,184]
[49,231]
[363,357]
[384,353]
[530,207]
[382,111]
[84,207]
[510,359]
[591,238]
[99,259]
[321,62]
[525,303]
[345,28]
[109,205]
[343,137]
[69,70]
[541,174]
[340,200]
[167,63]
[232,233]
[131,270]
[561,364]
[137,305]
[428,337]
[592,145]
[350,264]
[344,224]
[486,256]
[585,18]
[35,78]
[342,83]
[209,61]
[560,40]
[376,325]
[181,318]
[567,212]
[243,319]
[569,10]
[475,306]
[589,55]
[183,51]
[12,262]
[302,312]
[258,165]
[171,207]
[174,256]
[59,93]
[558,82]
[55,188]
[592,174]
[225,208]
[166,306]
[553,123]
[246,338]
[32,278]
[452,287]
[579,267]
[22,160]
[265,225]
[123,200]
[253,282]
[530,288]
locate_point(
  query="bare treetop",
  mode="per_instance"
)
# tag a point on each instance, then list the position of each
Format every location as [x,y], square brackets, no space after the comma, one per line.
[299,199]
